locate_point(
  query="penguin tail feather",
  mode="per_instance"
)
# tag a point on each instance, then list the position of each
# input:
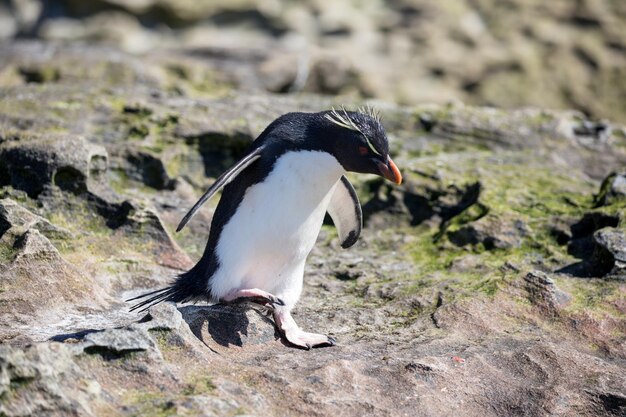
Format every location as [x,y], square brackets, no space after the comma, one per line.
[170,293]
[189,286]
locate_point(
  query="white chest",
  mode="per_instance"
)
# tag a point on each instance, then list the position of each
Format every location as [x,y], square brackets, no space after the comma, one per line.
[265,243]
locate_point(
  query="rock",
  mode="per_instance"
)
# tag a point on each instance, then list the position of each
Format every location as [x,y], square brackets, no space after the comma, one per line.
[416,203]
[44,380]
[386,200]
[613,403]
[222,326]
[491,232]
[543,292]
[279,73]
[612,190]
[332,75]
[581,244]
[144,225]
[38,282]
[596,261]
[467,263]
[497,56]
[164,316]
[593,221]
[561,229]
[67,162]
[118,341]
[14,215]
[8,23]
[609,256]
[147,168]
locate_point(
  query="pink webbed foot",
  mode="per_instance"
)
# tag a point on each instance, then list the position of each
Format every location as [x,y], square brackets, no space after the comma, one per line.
[295,336]
[253,295]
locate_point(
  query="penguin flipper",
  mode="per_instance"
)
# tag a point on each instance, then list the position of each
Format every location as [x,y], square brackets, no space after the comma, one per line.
[221,181]
[345,210]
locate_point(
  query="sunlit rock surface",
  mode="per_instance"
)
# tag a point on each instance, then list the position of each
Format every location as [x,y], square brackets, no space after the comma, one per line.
[491,282]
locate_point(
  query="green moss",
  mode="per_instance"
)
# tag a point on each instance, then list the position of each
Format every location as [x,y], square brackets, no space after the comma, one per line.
[601,198]
[20,382]
[149,403]
[540,119]
[619,136]
[79,218]
[195,81]
[16,383]
[199,385]
[138,130]
[137,110]
[40,74]
[143,124]
[115,103]
[7,252]
[167,121]
[93,240]
[167,346]
[406,317]
[510,191]
[472,213]
[592,296]
[606,198]
[118,180]
[122,184]
[65,105]
[533,193]
[429,149]
[175,165]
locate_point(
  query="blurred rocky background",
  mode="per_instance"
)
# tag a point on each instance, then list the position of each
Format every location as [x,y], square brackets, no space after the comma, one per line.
[558,54]
[490,283]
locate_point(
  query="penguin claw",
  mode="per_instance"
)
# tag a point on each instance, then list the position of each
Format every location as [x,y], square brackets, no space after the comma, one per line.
[274,303]
[272,306]
[294,336]
[308,341]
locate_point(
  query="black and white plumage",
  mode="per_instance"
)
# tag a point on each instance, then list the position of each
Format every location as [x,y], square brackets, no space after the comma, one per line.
[272,208]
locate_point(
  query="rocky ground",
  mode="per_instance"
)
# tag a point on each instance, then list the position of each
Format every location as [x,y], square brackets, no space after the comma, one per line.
[509,53]
[491,282]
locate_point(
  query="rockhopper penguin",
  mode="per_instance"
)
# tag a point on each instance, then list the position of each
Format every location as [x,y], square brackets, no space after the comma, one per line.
[272,208]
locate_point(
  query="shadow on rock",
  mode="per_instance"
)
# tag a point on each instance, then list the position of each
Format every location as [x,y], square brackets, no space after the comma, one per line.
[226,325]
[597,243]
[65,337]
[415,205]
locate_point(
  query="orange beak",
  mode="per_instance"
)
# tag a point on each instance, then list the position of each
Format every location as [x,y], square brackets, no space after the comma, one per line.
[390,171]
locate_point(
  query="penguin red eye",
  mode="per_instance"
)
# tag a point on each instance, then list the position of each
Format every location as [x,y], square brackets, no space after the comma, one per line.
[363,150]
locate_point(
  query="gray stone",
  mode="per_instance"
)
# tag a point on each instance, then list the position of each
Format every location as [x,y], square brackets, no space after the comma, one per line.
[37,282]
[609,256]
[543,292]
[67,162]
[163,316]
[119,341]
[44,380]
[14,215]
[492,232]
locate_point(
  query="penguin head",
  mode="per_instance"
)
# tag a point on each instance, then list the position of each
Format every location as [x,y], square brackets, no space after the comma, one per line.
[359,143]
